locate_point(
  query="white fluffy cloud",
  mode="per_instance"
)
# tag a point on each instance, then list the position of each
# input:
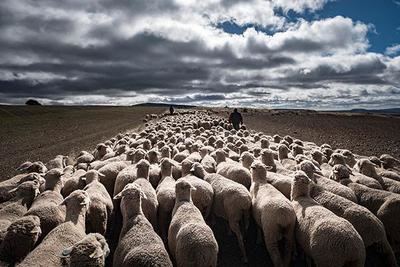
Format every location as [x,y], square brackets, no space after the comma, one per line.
[129,51]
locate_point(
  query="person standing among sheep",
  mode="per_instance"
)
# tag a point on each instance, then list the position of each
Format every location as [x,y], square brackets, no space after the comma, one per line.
[171,110]
[236,119]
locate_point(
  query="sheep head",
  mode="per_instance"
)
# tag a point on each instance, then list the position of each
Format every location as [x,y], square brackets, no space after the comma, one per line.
[300,185]
[259,171]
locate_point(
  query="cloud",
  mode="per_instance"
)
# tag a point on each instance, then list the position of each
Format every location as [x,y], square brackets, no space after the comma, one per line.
[393,50]
[130,51]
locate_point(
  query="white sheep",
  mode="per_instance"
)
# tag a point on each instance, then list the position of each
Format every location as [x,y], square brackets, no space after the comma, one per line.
[46,205]
[232,202]
[328,239]
[365,222]
[385,205]
[20,239]
[110,172]
[150,203]
[232,170]
[190,240]
[165,196]
[92,251]
[139,245]
[16,207]
[274,214]
[101,205]
[63,236]
[7,186]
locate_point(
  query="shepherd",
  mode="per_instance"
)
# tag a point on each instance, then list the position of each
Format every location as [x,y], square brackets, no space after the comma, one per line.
[236,119]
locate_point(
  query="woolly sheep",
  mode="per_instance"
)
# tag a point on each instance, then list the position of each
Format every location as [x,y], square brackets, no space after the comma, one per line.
[110,172]
[328,239]
[150,203]
[165,196]
[274,214]
[92,251]
[18,205]
[332,186]
[28,167]
[385,205]
[20,239]
[155,170]
[365,222]
[246,158]
[138,244]
[6,192]
[100,207]
[232,171]
[73,182]
[46,205]
[232,202]
[190,240]
[63,236]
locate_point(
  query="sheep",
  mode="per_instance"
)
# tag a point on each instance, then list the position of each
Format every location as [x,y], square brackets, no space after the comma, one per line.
[328,239]
[207,161]
[59,162]
[155,171]
[232,171]
[246,158]
[333,186]
[385,205]
[366,167]
[18,205]
[365,222]
[73,182]
[6,187]
[165,196]
[100,207]
[274,214]
[84,157]
[138,244]
[389,162]
[150,203]
[203,195]
[46,205]
[110,172]
[64,235]
[190,240]
[92,250]
[232,202]
[20,239]
[28,167]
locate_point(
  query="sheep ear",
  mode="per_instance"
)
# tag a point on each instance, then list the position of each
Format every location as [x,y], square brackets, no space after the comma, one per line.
[192,169]
[24,166]
[85,202]
[268,168]
[143,195]
[13,190]
[66,252]
[83,178]
[335,171]
[97,253]
[64,202]
[118,196]
[36,230]
[193,188]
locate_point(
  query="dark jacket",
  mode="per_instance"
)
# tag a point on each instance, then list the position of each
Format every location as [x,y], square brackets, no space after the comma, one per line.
[236,118]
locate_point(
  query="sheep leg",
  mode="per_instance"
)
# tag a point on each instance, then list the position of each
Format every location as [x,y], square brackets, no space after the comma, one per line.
[236,229]
[258,239]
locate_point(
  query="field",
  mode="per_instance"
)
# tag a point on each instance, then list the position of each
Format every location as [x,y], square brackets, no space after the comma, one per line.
[40,133]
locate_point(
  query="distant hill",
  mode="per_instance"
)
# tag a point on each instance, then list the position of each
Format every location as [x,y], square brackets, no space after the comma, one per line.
[162,105]
[382,111]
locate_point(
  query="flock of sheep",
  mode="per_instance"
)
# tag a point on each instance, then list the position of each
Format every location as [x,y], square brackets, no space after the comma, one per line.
[151,198]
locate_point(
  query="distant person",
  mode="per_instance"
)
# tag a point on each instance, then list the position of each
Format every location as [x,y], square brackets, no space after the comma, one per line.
[236,119]
[171,110]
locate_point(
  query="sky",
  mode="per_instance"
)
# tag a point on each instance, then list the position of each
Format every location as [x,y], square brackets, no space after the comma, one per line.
[313,54]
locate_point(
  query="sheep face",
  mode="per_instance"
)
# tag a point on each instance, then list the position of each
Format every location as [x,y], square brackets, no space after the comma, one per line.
[28,190]
[308,168]
[340,172]
[337,158]
[78,198]
[92,175]
[366,167]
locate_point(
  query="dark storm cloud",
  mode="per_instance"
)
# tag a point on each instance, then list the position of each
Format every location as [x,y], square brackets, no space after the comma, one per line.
[59,50]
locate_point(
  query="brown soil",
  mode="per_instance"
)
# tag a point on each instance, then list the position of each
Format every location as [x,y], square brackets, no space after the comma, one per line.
[42,132]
